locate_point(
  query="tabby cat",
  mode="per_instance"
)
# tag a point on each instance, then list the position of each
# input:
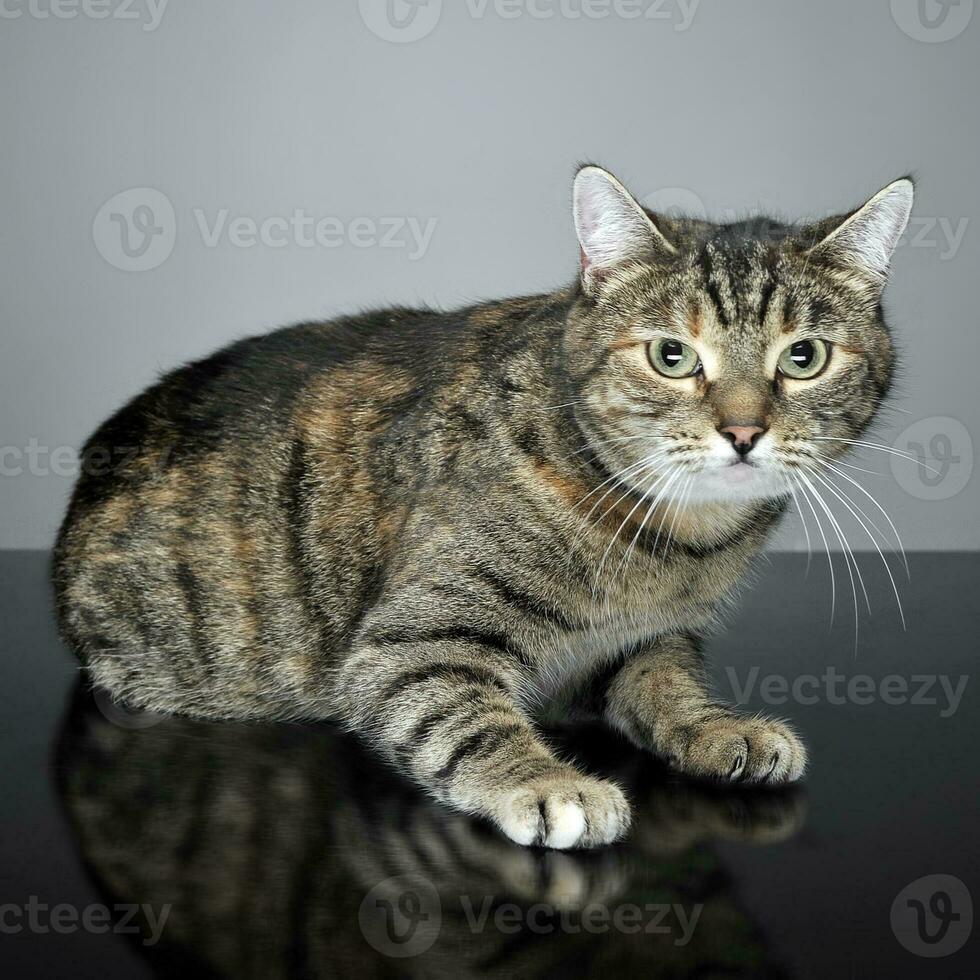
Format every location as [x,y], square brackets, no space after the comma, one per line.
[428,526]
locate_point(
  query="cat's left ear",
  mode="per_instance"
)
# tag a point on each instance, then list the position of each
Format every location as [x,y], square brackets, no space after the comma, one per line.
[612,227]
[866,239]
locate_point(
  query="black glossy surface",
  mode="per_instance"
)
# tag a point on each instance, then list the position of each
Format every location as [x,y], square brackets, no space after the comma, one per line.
[264,841]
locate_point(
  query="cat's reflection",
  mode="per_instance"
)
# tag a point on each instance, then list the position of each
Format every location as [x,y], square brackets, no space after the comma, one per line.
[287,851]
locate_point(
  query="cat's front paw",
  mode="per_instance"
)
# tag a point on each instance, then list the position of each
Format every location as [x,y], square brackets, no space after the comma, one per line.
[745,749]
[563,810]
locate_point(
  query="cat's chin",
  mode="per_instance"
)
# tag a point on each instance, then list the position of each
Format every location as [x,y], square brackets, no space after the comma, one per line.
[737,483]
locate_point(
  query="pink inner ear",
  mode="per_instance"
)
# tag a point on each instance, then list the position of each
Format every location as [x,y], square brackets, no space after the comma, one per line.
[590,218]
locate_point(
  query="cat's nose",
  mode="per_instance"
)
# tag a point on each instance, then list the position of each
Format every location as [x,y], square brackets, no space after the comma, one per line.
[742,437]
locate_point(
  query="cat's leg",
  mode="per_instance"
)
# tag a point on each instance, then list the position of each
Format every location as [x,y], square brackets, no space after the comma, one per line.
[659,699]
[445,711]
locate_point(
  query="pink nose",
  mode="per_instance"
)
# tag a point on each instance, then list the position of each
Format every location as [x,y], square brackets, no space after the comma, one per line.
[743,437]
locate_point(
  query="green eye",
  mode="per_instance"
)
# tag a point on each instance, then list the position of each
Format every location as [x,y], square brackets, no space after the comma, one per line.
[674,359]
[804,359]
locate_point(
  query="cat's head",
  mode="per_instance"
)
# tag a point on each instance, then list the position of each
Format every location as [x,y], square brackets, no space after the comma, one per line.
[726,359]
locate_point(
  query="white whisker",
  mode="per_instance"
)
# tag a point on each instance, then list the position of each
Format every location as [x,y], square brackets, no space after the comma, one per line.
[679,506]
[847,502]
[624,562]
[849,558]
[660,527]
[615,537]
[826,545]
[554,408]
[860,469]
[618,478]
[806,530]
[891,523]
[874,445]
[637,470]
[612,440]
[630,488]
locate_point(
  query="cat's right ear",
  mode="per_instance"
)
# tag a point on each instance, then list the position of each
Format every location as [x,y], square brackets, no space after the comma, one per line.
[612,228]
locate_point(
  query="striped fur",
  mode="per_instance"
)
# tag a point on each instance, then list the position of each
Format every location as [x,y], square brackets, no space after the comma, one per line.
[389,520]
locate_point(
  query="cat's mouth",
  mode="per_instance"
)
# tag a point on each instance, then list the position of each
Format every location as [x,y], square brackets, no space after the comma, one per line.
[739,479]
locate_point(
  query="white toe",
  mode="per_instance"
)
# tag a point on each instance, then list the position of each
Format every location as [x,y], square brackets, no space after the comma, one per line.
[519,828]
[566,824]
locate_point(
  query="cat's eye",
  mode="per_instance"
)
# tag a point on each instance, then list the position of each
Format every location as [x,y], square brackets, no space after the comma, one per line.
[804,359]
[674,359]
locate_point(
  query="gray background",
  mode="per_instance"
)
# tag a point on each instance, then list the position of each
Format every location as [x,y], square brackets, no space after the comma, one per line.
[264,108]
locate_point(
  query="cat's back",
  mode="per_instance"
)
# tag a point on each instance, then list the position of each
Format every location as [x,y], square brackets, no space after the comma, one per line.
[238,398]
[205,504]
